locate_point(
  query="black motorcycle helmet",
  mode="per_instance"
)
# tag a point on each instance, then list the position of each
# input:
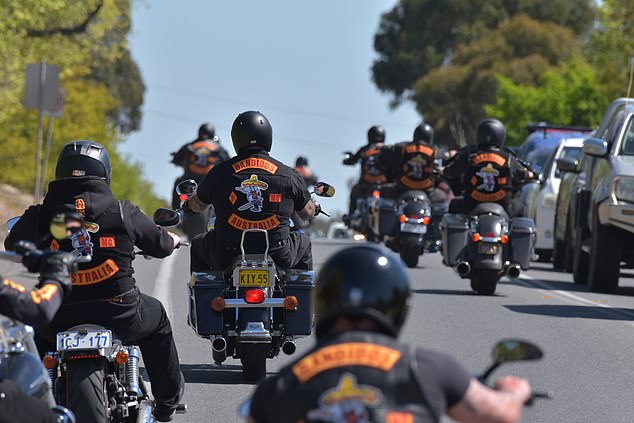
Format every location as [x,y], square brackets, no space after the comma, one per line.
[491,132]
[363,281]
[206,131]
[301,161]
[251,129]
[376,134]
[424,133]
[83,158]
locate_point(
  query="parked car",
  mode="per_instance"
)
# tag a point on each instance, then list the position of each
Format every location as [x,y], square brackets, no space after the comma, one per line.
[572,180]
[537,160]
[605,204]
[545,135]
[542,196]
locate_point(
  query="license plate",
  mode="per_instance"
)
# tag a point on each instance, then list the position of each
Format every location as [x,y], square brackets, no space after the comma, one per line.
[88,340]
[491,249]
[413,228]
[254,278]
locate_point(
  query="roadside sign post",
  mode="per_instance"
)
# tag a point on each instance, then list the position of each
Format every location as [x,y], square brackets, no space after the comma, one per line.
[41,93]
[53,113]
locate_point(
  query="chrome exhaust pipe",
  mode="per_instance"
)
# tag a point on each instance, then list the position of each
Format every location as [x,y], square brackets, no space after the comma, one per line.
[289,347]
[513,271]
[463,268]
[219,349]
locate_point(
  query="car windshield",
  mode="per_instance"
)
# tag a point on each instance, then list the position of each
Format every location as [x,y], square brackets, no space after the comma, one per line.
[538,159]
[573,153]
[627,147]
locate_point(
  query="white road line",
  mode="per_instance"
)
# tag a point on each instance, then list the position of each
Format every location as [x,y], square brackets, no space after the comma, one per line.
[162,283]
[529,281]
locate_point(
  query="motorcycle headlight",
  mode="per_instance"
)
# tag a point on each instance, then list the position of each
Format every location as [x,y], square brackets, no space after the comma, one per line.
[624,188]
[549,201]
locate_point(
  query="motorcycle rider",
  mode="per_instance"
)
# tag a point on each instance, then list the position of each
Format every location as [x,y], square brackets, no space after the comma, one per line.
[301,166]
[373,166]
[198,157]
[358,371]
[34,307]
[104,290]
[486,172]
[252,190]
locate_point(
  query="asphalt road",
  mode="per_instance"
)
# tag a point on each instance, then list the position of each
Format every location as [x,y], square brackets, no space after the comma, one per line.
[587,338]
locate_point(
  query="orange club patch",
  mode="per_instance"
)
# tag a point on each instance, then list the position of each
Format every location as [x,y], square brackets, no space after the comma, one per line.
[488,198]
[107,242]
[399,417]
[96,274]
[80,206]
[233,198]
[275,198]
[244,224]
[254,163]
[54,245]
[46,293]
[489,157]
[413,184]
[342,355]
[418,148]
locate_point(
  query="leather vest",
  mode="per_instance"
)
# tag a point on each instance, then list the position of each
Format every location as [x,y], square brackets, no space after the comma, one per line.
[355,377]
[488,176]
[202,158]
[111,246]
[372,170]
[415,166]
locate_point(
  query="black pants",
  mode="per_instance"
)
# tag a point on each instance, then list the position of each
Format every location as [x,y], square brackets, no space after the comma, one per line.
[137,319]
[436,195]
[295,252]
[360,190]
[514,207]
[16,407]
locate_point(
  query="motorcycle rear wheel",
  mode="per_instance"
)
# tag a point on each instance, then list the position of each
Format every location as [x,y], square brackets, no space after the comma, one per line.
[410,256]
[253,361]
[484,282]
[86,392]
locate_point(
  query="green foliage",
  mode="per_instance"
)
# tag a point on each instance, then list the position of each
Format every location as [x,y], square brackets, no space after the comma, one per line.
[570,95]
[612,45]
[453,97]
[419,36]
[104,87]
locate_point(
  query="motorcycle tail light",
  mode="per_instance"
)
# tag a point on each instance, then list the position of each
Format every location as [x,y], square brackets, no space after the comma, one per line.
[504,239]
[426,220]
[476,237]
[121,357]
[218,304]
[291,303]
[403,218]
[49,362]
[254,296]
[376,194]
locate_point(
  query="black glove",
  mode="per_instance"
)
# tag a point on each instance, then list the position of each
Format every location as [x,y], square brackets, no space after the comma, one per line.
[186,208]
[52,266]
[317,207]
[349,161]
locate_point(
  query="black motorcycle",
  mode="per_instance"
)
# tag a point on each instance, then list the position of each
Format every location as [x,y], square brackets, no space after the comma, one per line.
[486,245]
[253,309]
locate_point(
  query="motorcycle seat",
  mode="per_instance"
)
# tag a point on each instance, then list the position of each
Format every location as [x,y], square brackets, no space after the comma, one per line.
[489,208]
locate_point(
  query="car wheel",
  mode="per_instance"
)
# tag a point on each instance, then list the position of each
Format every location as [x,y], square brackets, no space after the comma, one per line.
[580,258]
[605,261]
[559,254]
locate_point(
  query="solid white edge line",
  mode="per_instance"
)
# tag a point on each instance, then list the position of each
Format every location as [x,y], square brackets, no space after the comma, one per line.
[546,289]
[162,282]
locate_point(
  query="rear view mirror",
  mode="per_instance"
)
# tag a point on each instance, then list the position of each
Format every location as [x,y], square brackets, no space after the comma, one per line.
[568,165]
[515,350]
[187,188]
[323,189]
[595,147]
[11,222]
[166,217]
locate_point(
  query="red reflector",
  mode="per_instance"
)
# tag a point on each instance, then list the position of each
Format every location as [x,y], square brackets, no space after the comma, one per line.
[403,218]
[183,197]
[376,194]
[414,216]
[82,356]
[490,235]
[254,296]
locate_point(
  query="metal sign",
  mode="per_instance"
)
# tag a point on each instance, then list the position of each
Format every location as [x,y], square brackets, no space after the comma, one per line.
[42,86]
[58,110]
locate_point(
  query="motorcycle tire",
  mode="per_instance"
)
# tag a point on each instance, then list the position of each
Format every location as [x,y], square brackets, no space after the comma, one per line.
[484,282]
[410,255]
[254,362]
[86,391]
[580,259]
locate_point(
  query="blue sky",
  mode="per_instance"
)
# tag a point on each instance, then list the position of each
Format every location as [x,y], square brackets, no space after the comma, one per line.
[304,64]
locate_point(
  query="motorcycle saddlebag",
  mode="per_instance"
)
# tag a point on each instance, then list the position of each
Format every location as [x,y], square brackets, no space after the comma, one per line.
[300,284]
[454,229]
[523,233]
[387,218]
[204,287]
